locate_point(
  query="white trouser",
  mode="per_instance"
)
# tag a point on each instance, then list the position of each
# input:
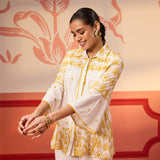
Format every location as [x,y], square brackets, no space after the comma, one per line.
[61,156]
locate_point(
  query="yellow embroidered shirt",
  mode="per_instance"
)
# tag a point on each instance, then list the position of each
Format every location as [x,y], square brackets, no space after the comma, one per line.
[86,85]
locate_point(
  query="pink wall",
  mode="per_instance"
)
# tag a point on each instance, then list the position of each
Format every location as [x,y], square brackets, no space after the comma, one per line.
[34,40]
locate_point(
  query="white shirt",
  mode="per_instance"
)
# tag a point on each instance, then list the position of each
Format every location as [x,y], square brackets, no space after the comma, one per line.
[86,85]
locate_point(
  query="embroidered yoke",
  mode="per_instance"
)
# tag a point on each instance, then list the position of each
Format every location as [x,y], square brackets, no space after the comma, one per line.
[86,85]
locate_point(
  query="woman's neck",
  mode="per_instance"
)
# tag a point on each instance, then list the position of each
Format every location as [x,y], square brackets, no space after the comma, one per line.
[94,50]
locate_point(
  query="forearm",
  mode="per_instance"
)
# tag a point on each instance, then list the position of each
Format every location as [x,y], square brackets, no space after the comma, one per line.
[41,108]
[61,113]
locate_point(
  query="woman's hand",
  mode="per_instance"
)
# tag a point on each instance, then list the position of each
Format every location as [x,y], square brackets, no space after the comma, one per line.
[36,127]
[24,122]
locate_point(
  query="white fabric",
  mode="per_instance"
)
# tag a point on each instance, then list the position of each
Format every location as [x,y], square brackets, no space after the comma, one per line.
[59,155]
[86,85]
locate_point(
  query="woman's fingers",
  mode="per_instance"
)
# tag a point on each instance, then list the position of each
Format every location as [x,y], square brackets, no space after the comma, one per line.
[21,124]
[32,132]
[31,126]
[30,119]
[34,137]
[35,127]
[36,132]
[23,121]
[20,130]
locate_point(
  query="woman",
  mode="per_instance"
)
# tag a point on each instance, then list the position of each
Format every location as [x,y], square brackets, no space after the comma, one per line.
[79,98]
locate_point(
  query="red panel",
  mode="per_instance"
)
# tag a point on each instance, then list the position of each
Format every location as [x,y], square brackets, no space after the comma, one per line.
[123,154]
[150,142]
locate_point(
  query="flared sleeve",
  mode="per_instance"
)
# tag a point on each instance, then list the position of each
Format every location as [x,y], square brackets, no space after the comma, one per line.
[90,108]
[54,94]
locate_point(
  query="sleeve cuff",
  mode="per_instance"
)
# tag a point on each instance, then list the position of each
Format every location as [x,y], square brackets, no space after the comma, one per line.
[48,104]
[81,124]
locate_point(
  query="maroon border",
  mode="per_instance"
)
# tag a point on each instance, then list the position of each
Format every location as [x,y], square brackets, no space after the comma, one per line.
[124,154]
[19,103]
[44,156]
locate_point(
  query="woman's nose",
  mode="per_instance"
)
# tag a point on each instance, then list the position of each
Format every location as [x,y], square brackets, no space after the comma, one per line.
[78,38]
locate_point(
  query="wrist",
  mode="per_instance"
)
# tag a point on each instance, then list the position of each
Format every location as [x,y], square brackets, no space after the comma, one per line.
[52,117]
[41,109]
[35,114]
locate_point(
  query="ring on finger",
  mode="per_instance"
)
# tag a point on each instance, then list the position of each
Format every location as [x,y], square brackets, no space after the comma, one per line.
[37,130]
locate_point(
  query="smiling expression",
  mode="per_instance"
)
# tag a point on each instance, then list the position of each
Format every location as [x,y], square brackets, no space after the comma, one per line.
[83,34]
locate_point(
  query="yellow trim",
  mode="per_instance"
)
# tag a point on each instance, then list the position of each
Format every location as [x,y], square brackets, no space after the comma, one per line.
[56,123]
[58,82]
[85,76]
[80,80]
[83,128]
[48,104]
[90,130]
[100,93]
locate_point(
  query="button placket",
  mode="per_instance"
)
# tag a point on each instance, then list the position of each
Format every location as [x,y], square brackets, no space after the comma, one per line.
[83,79]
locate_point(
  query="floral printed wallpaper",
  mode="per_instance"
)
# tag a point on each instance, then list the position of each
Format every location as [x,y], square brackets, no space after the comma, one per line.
[35,36]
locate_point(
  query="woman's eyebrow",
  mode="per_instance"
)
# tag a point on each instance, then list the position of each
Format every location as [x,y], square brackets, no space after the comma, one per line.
[77,30]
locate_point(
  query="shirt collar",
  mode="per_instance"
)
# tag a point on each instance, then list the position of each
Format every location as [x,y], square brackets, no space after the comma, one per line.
[101,54]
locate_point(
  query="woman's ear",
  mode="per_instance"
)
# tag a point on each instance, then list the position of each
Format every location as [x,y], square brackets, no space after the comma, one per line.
[97,26]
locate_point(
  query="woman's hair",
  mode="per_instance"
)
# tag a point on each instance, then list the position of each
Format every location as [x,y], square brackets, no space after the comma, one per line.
[89,16]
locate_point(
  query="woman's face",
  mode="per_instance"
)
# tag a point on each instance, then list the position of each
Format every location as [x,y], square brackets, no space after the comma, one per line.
[83,34]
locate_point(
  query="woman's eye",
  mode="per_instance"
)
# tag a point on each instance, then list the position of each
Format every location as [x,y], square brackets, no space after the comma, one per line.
[82,32]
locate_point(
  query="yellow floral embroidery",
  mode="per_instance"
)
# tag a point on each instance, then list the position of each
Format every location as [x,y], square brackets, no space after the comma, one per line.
[61,139]
[106,67]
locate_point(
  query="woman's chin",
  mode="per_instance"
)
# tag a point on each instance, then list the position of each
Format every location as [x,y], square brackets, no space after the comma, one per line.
[84,47]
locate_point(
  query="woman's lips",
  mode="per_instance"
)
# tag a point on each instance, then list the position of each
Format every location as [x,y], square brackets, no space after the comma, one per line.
[82,44]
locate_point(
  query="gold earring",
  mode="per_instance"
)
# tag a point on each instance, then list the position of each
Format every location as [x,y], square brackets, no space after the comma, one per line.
[98,33]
